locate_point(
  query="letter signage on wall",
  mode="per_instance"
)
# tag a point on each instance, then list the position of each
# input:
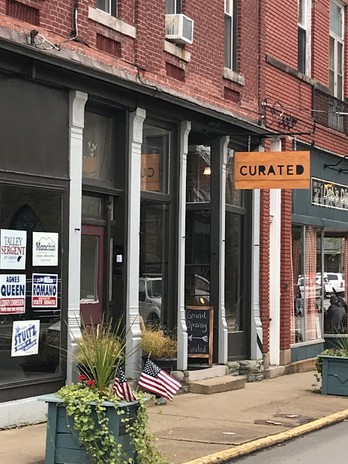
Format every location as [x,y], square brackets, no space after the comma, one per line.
[13,244]
[12,294]
[44,292]
[25,338]
[276,169]
[45,249]
[329,194]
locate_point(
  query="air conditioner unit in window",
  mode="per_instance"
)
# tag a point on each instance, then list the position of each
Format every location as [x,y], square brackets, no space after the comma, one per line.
[179,28]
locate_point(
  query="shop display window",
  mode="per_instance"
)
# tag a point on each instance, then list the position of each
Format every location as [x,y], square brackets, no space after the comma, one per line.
[31,283]
[198,174]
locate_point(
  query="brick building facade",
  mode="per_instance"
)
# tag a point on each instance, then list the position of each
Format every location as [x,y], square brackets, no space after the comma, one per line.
[125,117]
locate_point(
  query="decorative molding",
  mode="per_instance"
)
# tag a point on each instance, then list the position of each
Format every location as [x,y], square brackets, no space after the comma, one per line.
[233,76]
[177,51]
[111,22]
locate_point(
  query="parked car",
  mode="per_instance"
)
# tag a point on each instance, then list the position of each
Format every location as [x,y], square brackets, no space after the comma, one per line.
[336,281]
[150,298]
[312,287]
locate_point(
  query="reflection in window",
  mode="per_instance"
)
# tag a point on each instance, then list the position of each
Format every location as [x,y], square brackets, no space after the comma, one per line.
[92,207]
[153,281]
[155,159]
[233,272]
[233,197]
[197,271]
[198,174]
[89,268]
[98,159]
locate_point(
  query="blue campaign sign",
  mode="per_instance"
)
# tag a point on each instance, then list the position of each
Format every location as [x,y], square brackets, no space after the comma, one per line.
[44,292]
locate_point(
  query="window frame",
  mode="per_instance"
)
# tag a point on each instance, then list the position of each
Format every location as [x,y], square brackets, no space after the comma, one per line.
[304,28]
[173,7]
[111,7]
[336,90]
[230,34]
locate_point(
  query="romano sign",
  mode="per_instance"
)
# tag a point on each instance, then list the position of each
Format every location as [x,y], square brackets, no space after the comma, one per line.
[329,194]
[276,169]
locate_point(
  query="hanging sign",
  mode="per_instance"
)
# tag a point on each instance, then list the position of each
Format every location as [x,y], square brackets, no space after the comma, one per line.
[12,294]
[25,338]
[44,292]
[13,245]
[275,169]
[45,248]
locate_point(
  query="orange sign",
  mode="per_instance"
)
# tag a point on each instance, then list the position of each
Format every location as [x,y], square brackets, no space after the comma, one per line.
[150,172]
[275,169]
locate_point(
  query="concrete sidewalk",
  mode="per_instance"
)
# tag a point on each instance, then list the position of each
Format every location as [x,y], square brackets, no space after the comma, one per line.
[195,427]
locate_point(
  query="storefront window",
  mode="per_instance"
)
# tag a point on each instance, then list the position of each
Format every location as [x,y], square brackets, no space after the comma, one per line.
[31,282]
[198,174]
[98,159]
[233,197]
[153,280]
[155,155]
[197,274]
[233,272]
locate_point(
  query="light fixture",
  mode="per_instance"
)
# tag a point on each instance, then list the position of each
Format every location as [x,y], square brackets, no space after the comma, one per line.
[207,171]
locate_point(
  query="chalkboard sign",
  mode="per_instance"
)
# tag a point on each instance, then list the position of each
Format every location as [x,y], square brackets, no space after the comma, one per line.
[199,321]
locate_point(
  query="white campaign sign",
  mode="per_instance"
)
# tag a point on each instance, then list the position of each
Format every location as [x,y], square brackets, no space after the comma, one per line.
[25,338]
[13,245]
[45,248]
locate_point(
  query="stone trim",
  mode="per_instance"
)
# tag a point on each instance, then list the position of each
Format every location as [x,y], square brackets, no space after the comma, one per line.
[233,76]
[177,51]
[111,22]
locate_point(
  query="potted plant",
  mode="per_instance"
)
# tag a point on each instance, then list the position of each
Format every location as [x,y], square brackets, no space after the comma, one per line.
[332,368]
[99,419]
[159,346]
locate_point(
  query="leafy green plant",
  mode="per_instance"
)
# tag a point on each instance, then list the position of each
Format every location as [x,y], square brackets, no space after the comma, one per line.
[85,403]
[157,344]
[340,349]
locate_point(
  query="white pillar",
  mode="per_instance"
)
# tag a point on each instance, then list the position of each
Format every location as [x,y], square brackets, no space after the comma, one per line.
[275,255]
[77,101]
[223,331]
[133,359]
[185,128]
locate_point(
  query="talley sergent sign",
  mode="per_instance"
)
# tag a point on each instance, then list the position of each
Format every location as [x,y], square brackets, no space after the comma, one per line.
[276,169]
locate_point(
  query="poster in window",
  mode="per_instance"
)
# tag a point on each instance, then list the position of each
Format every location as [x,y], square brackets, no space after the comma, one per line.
[44,291]
[25,338]
[12,294]
[45,248]
[13,249]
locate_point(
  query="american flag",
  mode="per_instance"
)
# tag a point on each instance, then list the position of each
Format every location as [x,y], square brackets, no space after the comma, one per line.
[156,380]
[122,388]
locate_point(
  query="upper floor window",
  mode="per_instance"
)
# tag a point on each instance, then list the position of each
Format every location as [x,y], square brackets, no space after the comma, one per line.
[230,35]
[336,49]
[304,36]
[173,6]
[109,6]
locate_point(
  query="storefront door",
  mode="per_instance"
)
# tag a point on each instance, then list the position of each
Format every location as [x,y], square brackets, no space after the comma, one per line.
[92,245]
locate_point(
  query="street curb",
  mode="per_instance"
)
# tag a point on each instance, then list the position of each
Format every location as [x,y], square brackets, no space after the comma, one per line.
[272,440]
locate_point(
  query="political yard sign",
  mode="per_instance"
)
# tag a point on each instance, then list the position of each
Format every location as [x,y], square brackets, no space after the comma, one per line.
[25,338]
[44,292]
[13,246]
[12,294]
[45,248]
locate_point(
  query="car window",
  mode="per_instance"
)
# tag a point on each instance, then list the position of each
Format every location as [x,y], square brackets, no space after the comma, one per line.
[332,277]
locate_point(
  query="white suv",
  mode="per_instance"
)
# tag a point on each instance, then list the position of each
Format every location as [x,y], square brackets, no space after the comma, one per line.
[336,281]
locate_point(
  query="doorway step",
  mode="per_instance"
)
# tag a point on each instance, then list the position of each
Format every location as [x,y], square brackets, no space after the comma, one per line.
[213,380]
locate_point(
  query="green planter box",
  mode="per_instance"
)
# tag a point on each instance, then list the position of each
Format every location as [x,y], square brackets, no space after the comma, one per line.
[62,443]
[334,375]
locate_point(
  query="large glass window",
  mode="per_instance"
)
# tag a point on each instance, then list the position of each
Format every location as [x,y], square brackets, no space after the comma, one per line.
[304,24]
[109,6]
[98,159]
[198,174]
[31,282]
[336,49]
[230,58]
[233,197]
[173,6]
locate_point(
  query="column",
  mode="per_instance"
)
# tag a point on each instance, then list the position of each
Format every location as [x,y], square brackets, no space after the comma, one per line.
[77,101]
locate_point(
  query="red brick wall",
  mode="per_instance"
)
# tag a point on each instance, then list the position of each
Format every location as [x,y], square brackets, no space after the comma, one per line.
[264,267]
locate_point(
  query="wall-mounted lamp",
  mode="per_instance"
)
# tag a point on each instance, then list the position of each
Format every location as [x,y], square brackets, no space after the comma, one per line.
[207,171]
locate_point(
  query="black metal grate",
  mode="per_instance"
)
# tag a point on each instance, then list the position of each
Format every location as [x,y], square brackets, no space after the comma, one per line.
[327,109]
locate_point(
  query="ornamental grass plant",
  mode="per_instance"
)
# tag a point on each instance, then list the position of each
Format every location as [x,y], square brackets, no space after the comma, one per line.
[157,344]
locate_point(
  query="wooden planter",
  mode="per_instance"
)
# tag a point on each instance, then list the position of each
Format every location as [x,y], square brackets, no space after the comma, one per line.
[62,442]
[334,375]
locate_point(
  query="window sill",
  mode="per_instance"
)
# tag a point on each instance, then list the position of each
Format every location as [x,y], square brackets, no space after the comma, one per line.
[177,51]
[111,22]
[233,76]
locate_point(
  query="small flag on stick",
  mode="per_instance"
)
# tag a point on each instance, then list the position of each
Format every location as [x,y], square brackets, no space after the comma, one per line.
[156,380]
[122,388]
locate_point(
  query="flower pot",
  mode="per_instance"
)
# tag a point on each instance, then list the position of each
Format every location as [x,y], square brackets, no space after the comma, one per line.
[62,442]
[334,375]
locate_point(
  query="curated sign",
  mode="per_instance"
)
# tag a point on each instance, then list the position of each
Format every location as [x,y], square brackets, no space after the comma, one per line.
[150,172]
[329,194]
[12,294]
[25,338]
[13,245]
[45,248]
[276,169]
[44,292]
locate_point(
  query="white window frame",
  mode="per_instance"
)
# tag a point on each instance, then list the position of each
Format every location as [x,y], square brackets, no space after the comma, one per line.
[110,7]
[230,59]
[337,91]
[305,25]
